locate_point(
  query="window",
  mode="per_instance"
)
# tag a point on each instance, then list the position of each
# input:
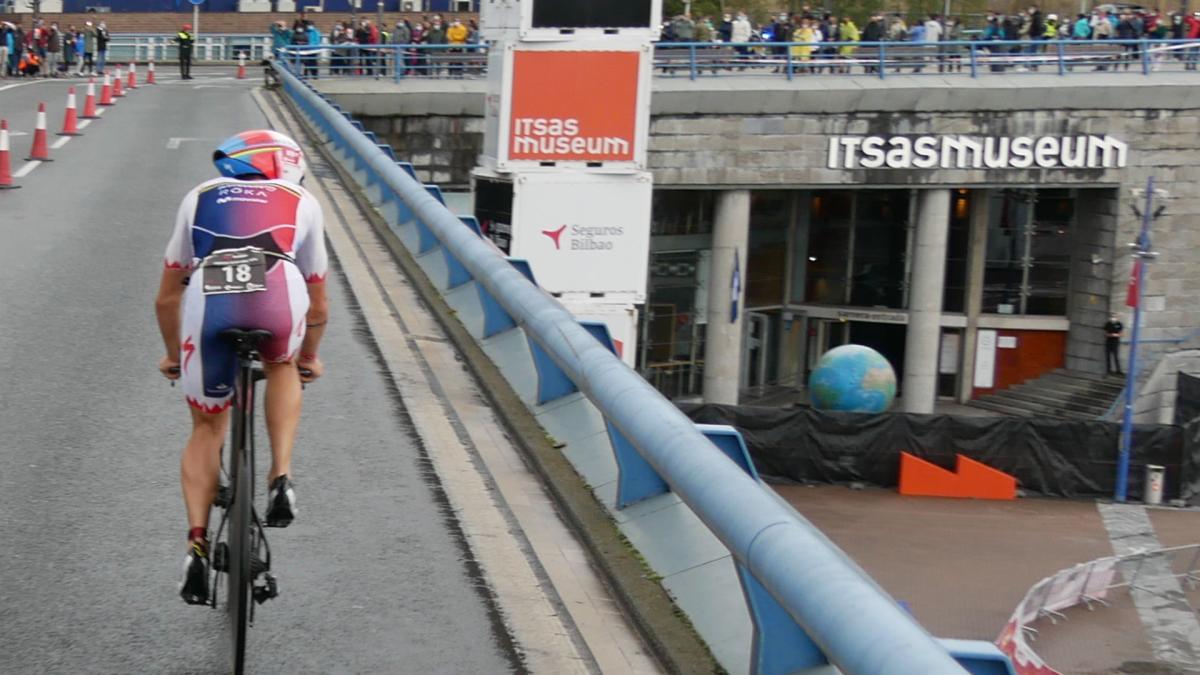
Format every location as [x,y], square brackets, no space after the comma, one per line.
[880,243]
[830,224]
[1028,252]
[677,212]
[766,261]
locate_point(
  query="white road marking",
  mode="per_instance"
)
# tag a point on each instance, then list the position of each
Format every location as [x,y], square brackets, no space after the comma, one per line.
[20,84]
[101,111]
[18,133]
[60,142]
[27,169]
[83,124]
[212,86]
[174,142]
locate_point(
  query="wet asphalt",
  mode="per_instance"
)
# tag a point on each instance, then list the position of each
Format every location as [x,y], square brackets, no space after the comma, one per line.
[373,575]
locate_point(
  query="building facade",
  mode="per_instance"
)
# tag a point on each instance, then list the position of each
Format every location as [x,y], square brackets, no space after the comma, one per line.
[975,237]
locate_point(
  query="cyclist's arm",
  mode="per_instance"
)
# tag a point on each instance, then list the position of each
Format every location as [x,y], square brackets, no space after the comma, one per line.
[318,316]
[313,260]
[177,265]
[166,307]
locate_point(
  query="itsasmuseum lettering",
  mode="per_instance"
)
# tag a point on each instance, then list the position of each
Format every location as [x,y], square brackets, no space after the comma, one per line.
[554,136]
[976,152]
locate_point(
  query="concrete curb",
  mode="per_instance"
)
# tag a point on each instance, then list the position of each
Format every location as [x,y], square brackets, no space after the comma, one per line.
[660,623]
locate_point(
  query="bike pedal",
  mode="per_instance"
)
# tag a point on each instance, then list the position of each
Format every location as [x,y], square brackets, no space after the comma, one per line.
[220,557]
[268,590]
[224,496]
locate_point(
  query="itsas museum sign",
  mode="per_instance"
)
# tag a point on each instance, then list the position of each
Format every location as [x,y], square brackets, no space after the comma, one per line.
[976,152]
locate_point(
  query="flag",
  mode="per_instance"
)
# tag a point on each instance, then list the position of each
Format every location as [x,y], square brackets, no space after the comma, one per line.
[735,287]
[1131,293]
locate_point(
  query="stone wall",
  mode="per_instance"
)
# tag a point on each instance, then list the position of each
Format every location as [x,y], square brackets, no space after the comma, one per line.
[713,136]
[442,148]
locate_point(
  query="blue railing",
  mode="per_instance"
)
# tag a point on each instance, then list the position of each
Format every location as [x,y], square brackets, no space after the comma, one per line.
[790,60]
[842,612]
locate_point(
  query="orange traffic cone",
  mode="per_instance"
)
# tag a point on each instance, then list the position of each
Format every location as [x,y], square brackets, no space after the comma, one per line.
[150,73]
[133,76]
[118,89]
[89,103]
[241,66]
[40,150]
[6,179]
[70,120]
[106,98]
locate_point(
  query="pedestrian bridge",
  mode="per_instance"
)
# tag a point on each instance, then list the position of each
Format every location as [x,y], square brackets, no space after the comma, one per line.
[762,587]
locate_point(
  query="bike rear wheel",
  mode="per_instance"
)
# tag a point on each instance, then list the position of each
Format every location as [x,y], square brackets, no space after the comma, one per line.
[241,578]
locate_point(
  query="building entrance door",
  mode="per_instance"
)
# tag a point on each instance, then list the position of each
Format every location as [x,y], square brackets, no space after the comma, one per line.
[757,348]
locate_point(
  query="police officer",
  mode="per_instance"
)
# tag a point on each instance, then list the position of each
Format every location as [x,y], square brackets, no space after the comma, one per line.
[185,40]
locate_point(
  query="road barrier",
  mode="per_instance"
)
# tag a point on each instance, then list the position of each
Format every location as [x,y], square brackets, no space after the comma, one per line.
[809,601]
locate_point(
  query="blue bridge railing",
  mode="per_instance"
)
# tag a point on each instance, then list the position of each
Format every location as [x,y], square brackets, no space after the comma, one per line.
[789,60]
[791,572]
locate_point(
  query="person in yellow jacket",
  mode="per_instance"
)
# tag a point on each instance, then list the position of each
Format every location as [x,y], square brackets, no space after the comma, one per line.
[850,33]
[456,34]
[806,34]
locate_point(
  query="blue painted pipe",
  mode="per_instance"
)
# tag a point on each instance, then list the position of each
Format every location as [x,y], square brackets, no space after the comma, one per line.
[859,628]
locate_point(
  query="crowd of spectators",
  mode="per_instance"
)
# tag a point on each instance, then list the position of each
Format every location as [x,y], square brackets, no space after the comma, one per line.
[819,40]
[50,51]
[363,32]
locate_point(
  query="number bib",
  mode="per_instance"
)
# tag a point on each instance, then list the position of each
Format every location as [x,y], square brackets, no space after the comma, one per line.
[238,270]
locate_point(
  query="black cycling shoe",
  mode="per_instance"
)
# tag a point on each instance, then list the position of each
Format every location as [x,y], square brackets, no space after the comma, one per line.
[194,588]
[281,502]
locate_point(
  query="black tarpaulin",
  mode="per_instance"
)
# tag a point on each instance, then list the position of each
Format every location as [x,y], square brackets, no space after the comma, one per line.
[1187,418]
[1049,456]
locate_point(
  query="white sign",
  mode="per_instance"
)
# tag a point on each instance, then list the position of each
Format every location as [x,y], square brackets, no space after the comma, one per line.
[1007,342]
[621,321]
[976,152]
[985,359]
[584,233]
[948,359]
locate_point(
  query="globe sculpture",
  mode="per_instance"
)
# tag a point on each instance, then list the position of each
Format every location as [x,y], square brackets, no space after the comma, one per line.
[852,378]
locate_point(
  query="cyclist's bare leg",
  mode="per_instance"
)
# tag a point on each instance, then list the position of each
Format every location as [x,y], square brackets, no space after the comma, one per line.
[200,467]
[283,401]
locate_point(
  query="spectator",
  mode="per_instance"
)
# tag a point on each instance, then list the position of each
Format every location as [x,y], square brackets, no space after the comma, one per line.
[312,65]
[281,37]
[7,38]
[725,32]
[953,51]
[1082,29]
[781,32]
[874,31]
[420,58]
[1127,29]
[1192,32]
[683,29]
[1036,33]
[101,47]
[30,64]
[456,37]
[806,38]
[53,50]
[741,31]
[897,30]
[849,34]
[70,51]
[1112,344]
[436,36]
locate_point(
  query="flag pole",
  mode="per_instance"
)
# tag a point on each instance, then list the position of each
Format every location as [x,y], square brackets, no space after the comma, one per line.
[1141,251]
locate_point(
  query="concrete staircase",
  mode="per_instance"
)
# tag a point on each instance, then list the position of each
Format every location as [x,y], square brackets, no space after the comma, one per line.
[1061,393]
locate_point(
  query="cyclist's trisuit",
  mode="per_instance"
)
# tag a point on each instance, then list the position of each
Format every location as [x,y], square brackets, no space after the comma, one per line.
[280,218]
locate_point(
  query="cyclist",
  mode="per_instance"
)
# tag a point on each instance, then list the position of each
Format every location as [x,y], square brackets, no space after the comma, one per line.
[258,203]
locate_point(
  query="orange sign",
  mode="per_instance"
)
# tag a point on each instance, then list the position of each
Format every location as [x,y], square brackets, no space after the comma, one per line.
[574,106]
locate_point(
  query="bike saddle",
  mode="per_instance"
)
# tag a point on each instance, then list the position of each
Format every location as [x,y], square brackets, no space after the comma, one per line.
[245,339]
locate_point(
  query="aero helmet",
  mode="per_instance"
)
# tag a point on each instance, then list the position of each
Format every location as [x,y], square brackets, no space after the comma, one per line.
[260,154]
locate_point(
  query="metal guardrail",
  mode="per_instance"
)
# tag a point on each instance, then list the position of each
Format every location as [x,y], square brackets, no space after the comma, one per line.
[1088,584]
[210,47]
[858,627]
[696,60]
